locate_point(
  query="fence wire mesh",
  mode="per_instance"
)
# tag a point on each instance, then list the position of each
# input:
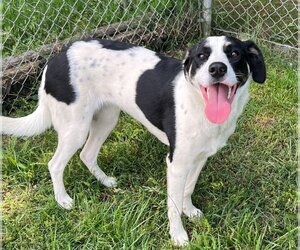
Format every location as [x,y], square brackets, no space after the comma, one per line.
[34,30]
[275,21]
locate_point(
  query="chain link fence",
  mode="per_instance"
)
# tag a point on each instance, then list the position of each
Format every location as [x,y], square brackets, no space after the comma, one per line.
[34,30]
[274,21]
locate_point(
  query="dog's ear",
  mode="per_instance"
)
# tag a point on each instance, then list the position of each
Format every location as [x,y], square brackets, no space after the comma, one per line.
[187,62]
[256,61]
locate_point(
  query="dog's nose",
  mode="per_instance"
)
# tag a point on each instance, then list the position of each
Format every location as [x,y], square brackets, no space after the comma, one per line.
[217,69]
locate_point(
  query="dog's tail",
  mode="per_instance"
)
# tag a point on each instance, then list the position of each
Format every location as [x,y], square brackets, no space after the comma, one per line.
[33,124]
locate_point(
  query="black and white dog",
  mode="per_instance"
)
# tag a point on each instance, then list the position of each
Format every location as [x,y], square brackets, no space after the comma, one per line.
[192,106]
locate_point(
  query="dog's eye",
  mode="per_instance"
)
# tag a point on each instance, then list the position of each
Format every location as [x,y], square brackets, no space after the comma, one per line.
[235,54]
[202,56]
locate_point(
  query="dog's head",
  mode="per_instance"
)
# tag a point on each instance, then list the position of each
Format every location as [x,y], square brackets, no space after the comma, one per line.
[218,66]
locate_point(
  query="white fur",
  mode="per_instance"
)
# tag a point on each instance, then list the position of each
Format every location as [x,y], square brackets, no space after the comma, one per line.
[199,139]
[102,91]
[33,124]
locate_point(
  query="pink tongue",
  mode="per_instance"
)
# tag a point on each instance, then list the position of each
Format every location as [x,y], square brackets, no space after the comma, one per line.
[218,106]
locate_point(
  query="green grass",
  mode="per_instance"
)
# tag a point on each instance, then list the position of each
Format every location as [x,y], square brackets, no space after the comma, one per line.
[247,191]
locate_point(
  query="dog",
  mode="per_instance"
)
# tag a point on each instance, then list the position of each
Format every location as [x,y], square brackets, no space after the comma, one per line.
[191,105]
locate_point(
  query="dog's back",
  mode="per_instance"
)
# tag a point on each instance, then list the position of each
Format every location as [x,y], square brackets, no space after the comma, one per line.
[93,72]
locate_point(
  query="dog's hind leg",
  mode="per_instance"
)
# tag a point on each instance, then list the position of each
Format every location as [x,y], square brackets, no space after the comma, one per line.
[102,124]
[71,137]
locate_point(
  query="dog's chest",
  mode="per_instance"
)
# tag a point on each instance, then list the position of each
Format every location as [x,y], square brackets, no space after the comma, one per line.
[196,133]
[206,138]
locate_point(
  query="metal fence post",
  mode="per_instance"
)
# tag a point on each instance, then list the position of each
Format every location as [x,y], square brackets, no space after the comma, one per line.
[207,16]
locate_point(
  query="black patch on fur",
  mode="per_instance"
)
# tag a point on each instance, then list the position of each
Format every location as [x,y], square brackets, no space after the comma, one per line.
[197,55]
[111,44]
[256,61]
[155,96]
[244,54]
[115,45]
[239,61]
[57,81]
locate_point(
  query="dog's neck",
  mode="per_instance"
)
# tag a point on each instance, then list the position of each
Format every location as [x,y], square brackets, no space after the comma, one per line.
[190,102]
[187,94]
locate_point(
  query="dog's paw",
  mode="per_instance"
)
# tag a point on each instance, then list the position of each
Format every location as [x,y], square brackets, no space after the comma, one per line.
[179,237]
[64,201]
[110,182]
[192,212]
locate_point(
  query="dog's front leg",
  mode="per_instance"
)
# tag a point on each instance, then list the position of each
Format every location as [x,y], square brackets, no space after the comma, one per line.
[188,208]
[177,173]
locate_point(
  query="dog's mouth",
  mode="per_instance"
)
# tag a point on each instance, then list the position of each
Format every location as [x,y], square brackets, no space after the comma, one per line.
[218,98]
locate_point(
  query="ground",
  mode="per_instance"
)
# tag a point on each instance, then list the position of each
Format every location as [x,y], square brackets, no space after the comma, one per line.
[247,191]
